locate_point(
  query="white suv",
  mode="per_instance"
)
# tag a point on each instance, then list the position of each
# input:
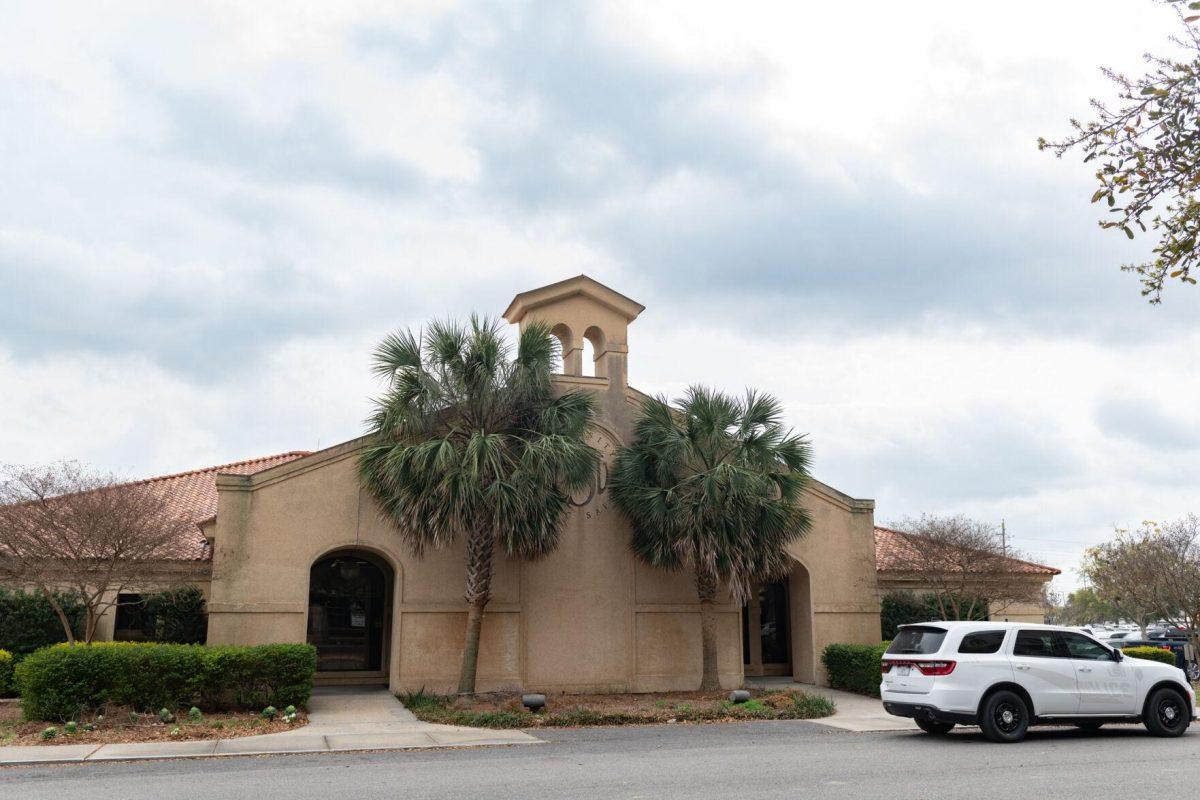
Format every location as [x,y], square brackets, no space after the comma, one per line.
[1006,676]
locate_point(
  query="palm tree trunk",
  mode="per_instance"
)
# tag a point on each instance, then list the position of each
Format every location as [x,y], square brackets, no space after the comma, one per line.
[480,545]
[706,589]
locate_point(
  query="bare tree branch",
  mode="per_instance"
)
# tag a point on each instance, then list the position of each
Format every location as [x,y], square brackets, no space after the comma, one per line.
[63,527]
[964,565]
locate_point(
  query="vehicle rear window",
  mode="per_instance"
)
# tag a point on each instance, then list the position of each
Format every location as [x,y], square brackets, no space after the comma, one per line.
[920,640]
[982,642]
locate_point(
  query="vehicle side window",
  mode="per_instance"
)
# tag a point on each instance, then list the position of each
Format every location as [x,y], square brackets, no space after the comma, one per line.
[1084,648]
[982,642]
[1037,643]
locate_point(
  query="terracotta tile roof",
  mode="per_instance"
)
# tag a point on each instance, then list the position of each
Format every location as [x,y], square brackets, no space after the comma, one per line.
[893,552]
[194,495]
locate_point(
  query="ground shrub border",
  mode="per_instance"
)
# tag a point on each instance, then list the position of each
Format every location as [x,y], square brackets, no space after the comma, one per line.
[438,708]
[67,682]
[6,674]
[854,667]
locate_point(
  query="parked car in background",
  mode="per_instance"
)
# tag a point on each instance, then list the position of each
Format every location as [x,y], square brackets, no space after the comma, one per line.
[1119,638]
[1006,676]
[1175,640]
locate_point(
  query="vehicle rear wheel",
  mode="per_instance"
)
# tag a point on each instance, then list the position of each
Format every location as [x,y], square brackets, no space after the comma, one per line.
[934,727]
[1166,712]
[1005,717]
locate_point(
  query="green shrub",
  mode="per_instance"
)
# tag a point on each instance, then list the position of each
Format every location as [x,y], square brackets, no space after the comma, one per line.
[64,682]
[6,674]
[905,608]
[269,674]
[1151,654]
[854,667]
[176,616]
[28,621]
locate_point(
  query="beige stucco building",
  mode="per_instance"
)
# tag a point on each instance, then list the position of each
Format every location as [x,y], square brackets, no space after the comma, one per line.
[587,618]
[289,548]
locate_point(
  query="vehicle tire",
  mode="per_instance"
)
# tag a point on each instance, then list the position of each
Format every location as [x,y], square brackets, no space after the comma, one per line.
[1088,727]
[1166,712]
[934,727]
[1005,717]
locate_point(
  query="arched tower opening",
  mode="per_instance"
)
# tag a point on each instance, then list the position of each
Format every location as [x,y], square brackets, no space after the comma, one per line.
[584,315]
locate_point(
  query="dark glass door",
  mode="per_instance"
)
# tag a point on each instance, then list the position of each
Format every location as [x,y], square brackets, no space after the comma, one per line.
[347,613]
[766,647]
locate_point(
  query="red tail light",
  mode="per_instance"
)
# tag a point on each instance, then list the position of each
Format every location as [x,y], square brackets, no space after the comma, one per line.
[935,667]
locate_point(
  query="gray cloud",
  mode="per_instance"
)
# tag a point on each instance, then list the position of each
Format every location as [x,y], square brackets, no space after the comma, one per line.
[310,147]
[607,128]
[984,455]
[1145,422]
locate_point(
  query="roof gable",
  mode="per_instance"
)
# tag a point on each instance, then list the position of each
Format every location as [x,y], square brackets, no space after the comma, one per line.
[193,495]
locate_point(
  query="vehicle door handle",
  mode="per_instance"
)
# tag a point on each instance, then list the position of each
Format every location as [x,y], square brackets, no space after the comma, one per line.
[1085,669]
[1022,666]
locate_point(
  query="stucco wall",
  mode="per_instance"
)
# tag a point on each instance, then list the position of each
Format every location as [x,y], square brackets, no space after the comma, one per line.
[587,618]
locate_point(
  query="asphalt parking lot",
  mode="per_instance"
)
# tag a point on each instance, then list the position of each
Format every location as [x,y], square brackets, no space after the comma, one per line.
[762,760]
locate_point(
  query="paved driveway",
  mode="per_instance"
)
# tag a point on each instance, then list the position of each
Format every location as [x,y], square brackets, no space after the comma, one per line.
[696,762]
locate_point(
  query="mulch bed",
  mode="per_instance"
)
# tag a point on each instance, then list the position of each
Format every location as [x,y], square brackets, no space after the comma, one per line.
[118,726]
[504,710]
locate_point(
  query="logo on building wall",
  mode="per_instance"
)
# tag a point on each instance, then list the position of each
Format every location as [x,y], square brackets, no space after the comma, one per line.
[593,501]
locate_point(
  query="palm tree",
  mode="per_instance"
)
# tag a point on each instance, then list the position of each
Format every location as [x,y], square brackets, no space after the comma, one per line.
[712,484]
[470,440]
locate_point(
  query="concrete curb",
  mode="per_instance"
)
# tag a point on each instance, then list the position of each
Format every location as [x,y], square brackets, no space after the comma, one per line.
[154,751]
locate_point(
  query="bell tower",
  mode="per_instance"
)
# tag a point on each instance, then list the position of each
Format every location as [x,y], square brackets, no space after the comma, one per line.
[580,309]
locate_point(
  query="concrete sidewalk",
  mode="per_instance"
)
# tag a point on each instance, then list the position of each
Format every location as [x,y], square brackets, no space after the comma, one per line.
[340,719]
[855,712]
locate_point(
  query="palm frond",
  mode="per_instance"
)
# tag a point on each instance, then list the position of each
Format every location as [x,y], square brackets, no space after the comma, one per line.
[469,436]
[714,482]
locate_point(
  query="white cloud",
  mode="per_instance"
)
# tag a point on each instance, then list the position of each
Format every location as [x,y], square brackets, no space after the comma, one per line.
[211,211]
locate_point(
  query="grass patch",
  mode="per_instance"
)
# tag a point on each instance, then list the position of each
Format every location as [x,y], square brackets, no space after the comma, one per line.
[573,711]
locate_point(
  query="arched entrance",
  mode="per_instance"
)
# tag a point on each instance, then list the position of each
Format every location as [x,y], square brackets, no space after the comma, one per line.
[349,611]
[777,629]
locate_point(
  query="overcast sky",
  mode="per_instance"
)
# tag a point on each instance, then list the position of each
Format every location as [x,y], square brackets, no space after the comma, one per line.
[209,212]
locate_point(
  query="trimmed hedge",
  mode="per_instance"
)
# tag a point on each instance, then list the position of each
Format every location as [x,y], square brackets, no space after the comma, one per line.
[65,682]
[854,667]
[6,673]
[1151,654]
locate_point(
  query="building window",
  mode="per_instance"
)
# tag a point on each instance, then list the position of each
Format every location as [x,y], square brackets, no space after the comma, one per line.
[131,621]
